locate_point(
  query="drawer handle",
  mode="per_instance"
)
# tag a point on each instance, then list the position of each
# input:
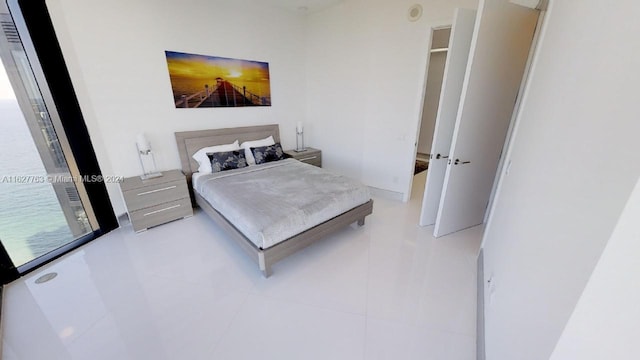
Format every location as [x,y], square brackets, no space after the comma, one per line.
[161,210]
[309,158]
[157,190]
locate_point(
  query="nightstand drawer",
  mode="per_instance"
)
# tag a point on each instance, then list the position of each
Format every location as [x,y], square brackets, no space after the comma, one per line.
[310,156]
[315,160]
[155,194]
[160,214]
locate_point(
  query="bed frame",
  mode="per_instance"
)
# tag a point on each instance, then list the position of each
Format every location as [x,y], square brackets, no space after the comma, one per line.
[191,141]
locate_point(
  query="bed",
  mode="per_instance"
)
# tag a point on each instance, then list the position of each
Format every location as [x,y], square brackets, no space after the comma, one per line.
[227,197]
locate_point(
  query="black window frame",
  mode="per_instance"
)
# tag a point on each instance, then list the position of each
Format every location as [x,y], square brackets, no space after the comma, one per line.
[42,37]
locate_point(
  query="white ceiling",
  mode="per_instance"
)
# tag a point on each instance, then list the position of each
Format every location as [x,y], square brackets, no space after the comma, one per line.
[300,5]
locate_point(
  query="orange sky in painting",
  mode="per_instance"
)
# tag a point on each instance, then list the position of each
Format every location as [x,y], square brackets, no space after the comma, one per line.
[190,73]
[207,68]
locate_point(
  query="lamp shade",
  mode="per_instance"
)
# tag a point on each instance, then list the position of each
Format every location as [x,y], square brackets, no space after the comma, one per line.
[143,143]
[299,127]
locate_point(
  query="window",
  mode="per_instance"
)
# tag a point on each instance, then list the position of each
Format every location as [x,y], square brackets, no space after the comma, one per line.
[45,207]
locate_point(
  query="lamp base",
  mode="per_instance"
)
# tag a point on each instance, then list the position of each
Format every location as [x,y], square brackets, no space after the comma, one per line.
[150,176]
[300,150]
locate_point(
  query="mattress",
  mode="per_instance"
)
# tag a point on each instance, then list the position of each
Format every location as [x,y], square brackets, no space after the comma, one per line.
[272,202]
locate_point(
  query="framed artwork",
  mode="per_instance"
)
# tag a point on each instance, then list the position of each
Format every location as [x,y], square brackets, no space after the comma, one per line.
[200,81]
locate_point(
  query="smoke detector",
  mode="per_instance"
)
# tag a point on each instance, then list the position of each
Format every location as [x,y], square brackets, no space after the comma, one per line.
[415,12]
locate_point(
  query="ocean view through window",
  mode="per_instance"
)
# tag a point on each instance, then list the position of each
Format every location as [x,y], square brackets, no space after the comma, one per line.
[37,215]
[53,194]
[31,220]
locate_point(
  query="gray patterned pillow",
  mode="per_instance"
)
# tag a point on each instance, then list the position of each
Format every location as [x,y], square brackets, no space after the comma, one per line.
[227,160]
[265,154]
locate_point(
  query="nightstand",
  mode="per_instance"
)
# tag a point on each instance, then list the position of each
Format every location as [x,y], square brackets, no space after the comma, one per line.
[310,156]
[156,201]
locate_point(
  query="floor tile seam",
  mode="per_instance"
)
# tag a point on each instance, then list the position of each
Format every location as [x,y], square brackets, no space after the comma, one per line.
[191,283]
[299,303]
[227,329]
[422,324]
[413,321]
[366,296]
[93,324]
[431,297]
[241,308]
[245,295]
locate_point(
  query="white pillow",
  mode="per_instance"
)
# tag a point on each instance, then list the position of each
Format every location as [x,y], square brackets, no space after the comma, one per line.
[203,160]
[247,145]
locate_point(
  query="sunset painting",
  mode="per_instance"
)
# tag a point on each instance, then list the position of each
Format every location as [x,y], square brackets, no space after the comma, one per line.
[200,81]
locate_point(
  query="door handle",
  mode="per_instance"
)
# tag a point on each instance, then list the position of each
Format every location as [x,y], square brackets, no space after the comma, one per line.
[441,157]
[458,162]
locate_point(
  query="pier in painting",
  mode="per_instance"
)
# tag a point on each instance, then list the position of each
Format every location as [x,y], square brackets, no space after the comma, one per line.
[224,93]
[199,81]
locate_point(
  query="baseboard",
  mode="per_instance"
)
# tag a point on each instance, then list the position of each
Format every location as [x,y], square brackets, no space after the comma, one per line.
[386,194]
[480,350]
[123,220]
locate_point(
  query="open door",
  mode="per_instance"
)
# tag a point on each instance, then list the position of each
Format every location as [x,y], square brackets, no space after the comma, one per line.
[499,52]
[455,67]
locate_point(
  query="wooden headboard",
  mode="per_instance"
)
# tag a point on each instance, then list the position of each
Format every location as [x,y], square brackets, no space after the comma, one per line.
[189,142]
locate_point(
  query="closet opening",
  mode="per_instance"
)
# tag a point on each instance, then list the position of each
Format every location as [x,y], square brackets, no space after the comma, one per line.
[435,73]
[489,56]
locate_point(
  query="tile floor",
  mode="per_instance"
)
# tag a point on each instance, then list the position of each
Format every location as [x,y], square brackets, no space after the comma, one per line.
[388,290]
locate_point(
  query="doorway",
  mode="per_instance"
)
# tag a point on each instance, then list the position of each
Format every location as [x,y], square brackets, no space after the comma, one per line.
[459,45]
[435,75]
[484,112]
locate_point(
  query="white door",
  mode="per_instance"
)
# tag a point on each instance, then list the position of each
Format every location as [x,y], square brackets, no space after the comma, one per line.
[499,52]
[456,64]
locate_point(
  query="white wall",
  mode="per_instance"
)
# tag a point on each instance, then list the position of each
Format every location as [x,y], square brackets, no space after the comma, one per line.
[115,54]
[366,67]
[363,64]
[606,321]
[574,164]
